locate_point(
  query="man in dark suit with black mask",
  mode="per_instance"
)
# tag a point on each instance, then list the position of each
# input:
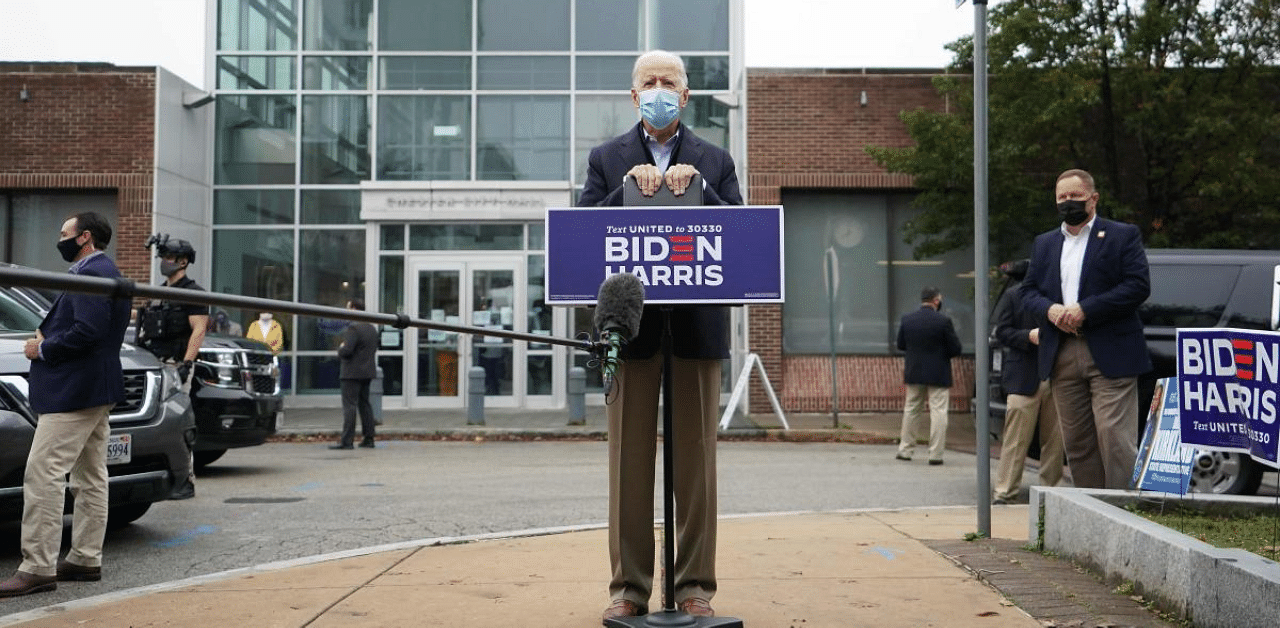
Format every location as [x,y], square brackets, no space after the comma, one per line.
[930,341]
[75,380]
[661,150]
[1086,281]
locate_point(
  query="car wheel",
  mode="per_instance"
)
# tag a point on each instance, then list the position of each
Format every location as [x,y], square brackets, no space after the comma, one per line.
[1224,473]
[205,458]
[121,516]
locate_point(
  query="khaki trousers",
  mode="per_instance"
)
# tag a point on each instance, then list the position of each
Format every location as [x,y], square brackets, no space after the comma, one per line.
[913,412]
[1022,414]
[1099,417]
[633,426]
[65,442]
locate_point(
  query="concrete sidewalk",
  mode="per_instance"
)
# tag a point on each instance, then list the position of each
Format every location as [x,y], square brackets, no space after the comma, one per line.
[887,568]
[867,568]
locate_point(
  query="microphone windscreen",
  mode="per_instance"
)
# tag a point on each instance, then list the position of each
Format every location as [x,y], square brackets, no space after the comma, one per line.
[620,304]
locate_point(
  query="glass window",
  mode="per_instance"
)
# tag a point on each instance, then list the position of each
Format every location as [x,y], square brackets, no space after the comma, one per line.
[1183,295]
[539,322]
[255,263]
[255,72]
[604,72]
[426,73]
[879,279]
[330,207]
[523,24]
[258,25]
[708,118]
[335,139]
[951,273]
[330,272]
[391,238]
[423,138]
[256,139]
[537,236]
[484,237]
[392,374]
[599,119]
[691,25]
[337,24]
[418,25]
[31,222]
[318,374]
[542,73]
[336,73]
[522,138]
[253,207]
[391,297]
[707,72]
[609,25]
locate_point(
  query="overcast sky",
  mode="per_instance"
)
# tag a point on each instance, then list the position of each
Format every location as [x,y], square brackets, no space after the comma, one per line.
[779,33]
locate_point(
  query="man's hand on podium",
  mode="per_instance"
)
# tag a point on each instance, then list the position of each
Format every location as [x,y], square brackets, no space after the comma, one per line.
[649,179]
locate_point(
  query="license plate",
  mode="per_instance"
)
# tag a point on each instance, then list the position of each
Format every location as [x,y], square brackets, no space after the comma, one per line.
[120,449]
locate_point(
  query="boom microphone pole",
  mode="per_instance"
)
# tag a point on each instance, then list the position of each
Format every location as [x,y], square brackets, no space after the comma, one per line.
[122,288]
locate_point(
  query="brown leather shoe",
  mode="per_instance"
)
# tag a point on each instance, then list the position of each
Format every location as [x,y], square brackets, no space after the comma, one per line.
[697,607]
[71,572]
[621,608]
[23,583]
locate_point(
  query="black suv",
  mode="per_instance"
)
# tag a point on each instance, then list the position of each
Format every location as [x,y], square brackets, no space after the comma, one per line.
[1194,288]
[237,397]
[147,452]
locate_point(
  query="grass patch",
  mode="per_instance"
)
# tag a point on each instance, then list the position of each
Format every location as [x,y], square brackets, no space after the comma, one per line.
[1254,532]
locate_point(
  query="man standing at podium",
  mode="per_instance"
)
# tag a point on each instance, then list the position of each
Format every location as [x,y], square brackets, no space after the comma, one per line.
[660,150]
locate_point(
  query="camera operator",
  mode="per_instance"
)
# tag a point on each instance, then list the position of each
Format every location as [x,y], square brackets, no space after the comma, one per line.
[174,331]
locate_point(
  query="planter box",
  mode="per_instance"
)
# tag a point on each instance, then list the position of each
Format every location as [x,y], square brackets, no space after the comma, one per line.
[1215,588]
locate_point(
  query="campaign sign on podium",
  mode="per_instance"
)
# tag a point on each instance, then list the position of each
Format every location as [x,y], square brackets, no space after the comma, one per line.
[722,254]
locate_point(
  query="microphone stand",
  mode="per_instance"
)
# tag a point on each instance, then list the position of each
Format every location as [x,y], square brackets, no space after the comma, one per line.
[670,616]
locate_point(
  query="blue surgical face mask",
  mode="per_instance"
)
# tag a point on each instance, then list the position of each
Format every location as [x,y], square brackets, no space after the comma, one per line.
[659,107]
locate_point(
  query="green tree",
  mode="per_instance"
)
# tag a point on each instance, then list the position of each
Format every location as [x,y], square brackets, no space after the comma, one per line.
[1173,105]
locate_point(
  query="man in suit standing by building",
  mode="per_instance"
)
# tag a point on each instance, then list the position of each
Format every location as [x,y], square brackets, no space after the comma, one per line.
[1028,401]
[930,341]
[75,380]
[358,353]
[1085,283]
[662,150]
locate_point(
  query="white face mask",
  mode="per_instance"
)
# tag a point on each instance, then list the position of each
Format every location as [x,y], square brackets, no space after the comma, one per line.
[265,317]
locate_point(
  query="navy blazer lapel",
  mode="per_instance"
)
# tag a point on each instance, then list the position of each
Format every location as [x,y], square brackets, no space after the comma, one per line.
[1096,236]
[632,149]
[1055,267]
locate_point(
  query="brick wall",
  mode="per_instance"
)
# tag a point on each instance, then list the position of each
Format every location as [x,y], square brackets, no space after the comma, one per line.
[84,127]
[807,129]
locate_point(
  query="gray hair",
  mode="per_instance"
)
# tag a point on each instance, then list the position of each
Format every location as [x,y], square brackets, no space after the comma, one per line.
[659,55]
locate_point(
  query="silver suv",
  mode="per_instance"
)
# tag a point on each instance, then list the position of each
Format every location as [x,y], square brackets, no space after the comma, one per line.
[150,430]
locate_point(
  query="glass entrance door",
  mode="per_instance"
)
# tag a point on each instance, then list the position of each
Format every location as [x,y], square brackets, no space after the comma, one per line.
[482,293]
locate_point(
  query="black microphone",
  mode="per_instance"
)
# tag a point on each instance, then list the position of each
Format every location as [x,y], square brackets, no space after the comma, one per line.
[619,306]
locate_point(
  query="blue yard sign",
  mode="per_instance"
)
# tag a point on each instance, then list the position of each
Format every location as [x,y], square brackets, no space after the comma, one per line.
[701,255]
[1164,463]
[1229,390]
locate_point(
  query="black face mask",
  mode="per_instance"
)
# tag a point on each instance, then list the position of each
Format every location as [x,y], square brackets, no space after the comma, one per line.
[68,248]
[1073,212]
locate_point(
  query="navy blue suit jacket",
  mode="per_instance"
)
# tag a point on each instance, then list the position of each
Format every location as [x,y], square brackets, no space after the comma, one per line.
[1019,373]
[930,341]
[697,332]
[80,367]
[1114,282]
